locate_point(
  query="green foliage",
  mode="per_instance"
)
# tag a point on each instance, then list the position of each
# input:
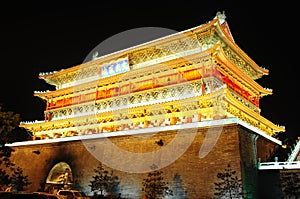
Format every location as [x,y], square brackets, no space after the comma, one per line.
[9,128]
[5,153]
[104,181]
[154,185]
[113,185]
[9,175]
[178,189]
[18,180]
[7,165]
[4,179]
[290,184]
[229,186]
[8,122]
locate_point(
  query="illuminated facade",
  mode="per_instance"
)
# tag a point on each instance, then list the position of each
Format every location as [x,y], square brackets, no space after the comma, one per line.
[195,79]
[195,75]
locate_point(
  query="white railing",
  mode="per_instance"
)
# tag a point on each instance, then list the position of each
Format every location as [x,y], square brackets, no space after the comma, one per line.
[295,152]
[278,165]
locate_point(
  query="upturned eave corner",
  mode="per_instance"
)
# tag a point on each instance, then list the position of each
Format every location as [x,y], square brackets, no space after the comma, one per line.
[267,91]
[41,95]
[251,117]
[222,28]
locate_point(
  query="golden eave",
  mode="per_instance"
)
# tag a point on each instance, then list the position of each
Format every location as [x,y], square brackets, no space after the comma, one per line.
[236,71]
[225,101]
[215,52]
[241,53]
[54,78]
[129,75]
[251,116]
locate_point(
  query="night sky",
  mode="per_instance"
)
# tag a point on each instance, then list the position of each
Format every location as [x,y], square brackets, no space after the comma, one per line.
[46,36]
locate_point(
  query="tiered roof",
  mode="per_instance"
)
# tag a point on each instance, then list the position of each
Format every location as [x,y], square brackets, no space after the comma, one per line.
[199,69]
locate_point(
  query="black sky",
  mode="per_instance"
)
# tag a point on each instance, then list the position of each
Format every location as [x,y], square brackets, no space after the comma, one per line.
[45,36]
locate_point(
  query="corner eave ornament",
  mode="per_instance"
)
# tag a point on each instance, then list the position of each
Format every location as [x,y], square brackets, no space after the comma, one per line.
[221,16]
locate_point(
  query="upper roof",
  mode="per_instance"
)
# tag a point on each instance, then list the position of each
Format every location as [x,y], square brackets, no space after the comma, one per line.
[199,38]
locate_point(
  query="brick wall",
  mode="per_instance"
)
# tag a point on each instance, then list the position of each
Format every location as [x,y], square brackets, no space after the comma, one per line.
[196,175]
[265,148]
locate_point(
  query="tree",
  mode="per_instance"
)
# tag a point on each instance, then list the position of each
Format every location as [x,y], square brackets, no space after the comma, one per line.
[104,181]
[113,185]
[18,180]
[154,185]
[178,189]
[230,186]
[5,153]
[9,129]
[8,122]
[4,179]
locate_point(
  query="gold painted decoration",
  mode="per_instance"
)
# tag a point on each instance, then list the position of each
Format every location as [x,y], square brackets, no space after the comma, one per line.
[197,75]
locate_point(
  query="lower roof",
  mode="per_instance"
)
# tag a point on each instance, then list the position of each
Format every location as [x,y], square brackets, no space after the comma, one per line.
[203,124]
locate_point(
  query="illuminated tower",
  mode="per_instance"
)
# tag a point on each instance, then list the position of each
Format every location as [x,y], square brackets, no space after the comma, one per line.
[195,75]
[195,79]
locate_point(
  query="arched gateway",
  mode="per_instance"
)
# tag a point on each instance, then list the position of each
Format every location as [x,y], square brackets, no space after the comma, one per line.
[60,176]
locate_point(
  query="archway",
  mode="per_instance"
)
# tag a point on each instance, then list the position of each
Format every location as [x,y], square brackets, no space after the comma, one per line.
[59,177]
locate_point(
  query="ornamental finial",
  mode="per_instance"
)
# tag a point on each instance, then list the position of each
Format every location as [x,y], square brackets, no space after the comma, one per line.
[95,55]
[221,16]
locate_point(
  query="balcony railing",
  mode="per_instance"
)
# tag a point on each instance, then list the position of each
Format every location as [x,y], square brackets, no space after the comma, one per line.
[278,165]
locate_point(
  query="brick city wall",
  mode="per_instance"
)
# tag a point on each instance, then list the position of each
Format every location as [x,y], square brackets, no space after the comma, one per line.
[234,145]
[265,149]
